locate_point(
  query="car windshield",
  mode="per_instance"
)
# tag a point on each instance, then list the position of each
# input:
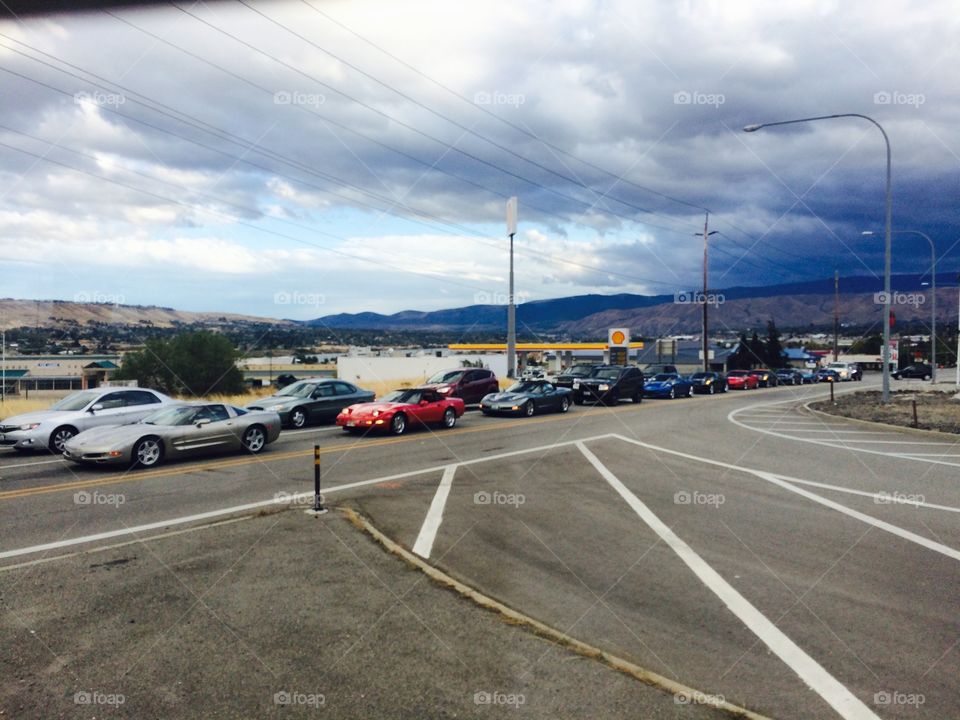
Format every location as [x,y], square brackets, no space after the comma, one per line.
[298,390]
[701,376]
[580,370]
[737,373]
[76,401]
[447,376]
[662,377]
[180,415]
[403,396]
[522,387]
[606,373]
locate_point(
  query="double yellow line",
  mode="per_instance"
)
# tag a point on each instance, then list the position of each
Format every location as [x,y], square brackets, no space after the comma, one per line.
[360,444]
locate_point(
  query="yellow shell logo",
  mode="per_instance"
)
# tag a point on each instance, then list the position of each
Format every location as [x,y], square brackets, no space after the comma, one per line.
[618,337]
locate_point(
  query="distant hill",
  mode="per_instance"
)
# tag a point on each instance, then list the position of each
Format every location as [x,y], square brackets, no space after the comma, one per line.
[54,313]
[791,305]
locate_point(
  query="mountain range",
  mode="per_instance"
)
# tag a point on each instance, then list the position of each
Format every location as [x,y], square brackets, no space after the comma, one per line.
[800,305]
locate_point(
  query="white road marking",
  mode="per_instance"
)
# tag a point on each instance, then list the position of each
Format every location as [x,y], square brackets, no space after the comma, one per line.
[785,482]
[431,524]
[284,499]
[809,670]
[893,499]
[840,432]
[31,464]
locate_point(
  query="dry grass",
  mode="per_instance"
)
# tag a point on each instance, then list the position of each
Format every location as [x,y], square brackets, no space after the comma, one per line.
[935,410]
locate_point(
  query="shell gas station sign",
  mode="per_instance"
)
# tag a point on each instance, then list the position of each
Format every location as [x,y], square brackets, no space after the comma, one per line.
[618,342]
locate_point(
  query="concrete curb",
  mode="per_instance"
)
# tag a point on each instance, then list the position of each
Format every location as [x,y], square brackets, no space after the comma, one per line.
[873,423]
[517,618]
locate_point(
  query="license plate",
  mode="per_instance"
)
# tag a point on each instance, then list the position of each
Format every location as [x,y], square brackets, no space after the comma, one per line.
[351,423]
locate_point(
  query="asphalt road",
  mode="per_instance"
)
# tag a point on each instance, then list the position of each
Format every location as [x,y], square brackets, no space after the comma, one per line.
[799,566]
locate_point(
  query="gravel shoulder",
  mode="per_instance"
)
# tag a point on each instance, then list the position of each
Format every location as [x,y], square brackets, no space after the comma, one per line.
[936,410]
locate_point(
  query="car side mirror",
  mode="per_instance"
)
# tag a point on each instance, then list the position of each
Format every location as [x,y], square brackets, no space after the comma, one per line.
[96,407]
[202,421]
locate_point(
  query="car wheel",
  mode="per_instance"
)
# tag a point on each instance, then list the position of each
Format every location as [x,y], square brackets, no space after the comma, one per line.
[673,393]
[59,437]
[254,439]
[398,424]
[638,396]
[690,391]
[529,408]
[298,418]
[564,404]
[711,390]
[927,376]
[449,418]
[147,452]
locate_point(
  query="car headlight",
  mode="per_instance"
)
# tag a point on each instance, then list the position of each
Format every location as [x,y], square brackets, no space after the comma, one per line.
[376,413]
[29,426]
[279,408]
[603,388]
[576,383]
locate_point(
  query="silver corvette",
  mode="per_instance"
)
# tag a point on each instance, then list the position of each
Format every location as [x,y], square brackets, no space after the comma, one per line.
[181,431]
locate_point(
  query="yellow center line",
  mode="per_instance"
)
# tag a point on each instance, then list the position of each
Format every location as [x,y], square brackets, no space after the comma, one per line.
[360,444]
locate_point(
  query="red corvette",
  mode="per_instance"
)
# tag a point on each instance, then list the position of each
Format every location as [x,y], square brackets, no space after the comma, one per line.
[400,409]
[742,380]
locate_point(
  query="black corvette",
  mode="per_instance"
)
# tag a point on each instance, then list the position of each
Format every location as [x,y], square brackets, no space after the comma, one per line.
[528,397]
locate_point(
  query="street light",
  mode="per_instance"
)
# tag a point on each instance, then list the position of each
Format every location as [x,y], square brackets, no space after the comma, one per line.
[705,341]
[933,287]
[885,396]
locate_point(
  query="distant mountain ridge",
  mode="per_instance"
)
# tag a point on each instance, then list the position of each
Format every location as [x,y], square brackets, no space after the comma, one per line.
[802,303]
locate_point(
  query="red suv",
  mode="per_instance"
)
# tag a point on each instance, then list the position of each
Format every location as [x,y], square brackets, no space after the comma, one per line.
[468,384]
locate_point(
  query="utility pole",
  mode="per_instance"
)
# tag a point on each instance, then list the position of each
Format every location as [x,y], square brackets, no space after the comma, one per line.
[3,386]
[706,333]
[836,315]
[958,331]
[511,306]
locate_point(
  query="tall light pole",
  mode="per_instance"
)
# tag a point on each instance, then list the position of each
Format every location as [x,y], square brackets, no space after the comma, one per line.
[958,331]
[705,341]
[933,287]
[836,315]
[885,396]
[511,306]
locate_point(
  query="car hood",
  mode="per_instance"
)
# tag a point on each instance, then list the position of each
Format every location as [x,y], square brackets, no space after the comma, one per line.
[507,397]
[112,435]
[363,408]
[272,401]
[41,416]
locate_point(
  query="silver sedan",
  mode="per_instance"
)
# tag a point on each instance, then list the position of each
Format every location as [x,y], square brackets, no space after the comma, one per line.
[182,431]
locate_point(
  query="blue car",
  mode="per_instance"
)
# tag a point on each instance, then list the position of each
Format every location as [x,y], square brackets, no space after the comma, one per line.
[809,376]
[668,385]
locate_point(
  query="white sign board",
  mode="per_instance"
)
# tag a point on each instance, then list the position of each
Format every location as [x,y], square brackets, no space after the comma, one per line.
[512,216]
[618,337]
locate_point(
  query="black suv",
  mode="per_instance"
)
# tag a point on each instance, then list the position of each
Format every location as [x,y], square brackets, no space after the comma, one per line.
[609,384]
[577,372]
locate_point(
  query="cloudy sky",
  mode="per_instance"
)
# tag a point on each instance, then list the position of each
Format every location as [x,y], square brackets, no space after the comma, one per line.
[296,159]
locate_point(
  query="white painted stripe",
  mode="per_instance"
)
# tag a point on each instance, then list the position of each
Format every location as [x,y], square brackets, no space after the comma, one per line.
[31,464]
[841,432]
[431,524]
[905,534]
[876,495]
[809,670]
[913,454]
[290,497]
[785,482]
